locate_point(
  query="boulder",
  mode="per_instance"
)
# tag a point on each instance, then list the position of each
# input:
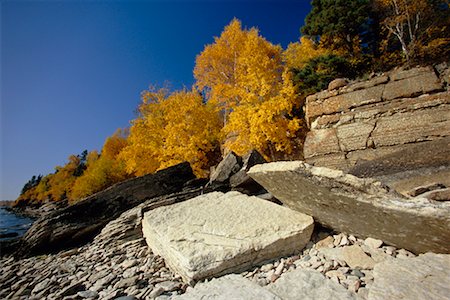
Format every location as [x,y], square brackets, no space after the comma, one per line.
[424,277]
[225,288]
[337,83]
[364,207]
[216,233]
[243,183]
[308,285]
[355,257]
[229,165]
[80,222]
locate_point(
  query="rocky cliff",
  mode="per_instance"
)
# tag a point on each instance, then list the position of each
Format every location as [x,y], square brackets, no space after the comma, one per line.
[357,126]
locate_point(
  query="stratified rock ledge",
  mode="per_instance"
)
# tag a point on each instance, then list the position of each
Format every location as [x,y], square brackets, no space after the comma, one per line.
[363,207]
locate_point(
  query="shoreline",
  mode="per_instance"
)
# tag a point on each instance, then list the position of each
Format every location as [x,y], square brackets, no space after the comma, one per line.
[118,262]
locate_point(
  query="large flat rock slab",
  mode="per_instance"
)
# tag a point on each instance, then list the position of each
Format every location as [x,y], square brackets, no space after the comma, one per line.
[217,233]
[363,207]
[424,277]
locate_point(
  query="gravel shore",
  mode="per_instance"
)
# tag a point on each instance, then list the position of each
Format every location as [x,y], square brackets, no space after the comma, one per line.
[118,263]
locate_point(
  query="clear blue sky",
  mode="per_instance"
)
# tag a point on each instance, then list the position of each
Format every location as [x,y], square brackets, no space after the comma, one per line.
[72,71]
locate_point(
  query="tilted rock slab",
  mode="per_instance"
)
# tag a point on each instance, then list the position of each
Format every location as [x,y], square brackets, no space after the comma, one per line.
[79,223]
[424,277]
[363,207]
[217,233]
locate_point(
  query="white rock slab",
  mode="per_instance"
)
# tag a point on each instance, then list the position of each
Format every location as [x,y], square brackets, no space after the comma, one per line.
[217,233]
[228,287]
[424,277]
[363,207]
[308,285]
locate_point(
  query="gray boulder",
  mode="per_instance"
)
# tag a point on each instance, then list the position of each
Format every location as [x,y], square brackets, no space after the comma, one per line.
[243,183]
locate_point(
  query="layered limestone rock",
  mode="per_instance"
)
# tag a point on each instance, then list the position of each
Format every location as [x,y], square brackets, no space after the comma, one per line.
[383,116]
[217,233]
[423,277]
[363,207]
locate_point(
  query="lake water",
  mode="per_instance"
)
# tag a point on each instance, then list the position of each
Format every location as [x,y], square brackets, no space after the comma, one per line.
[12,224]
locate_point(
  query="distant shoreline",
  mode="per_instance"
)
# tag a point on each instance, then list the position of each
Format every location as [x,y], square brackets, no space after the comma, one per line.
[6,203]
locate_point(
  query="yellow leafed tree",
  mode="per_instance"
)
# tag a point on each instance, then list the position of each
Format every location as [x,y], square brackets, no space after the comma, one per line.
[102,170]
[243,75]
[170,129]
[265,126]
[298,54]
[216,68]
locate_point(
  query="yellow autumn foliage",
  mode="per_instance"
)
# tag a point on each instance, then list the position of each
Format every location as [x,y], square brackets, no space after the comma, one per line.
[298,54]
[56,186]
[421,27]
[243,75]
[102,170]
[264,125]
[170,129]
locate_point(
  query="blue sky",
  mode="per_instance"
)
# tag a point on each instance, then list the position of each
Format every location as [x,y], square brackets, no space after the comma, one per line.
[72,71]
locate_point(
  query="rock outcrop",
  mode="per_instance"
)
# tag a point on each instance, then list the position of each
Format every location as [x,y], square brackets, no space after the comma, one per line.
[383,118]
[80,222]
[363,207]
[217,233]
[423,277]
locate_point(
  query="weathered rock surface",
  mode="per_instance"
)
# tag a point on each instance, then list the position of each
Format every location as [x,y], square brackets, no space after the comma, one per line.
[243,183]
[424,277]
[219,233]
[355,257]
[82,221]
[229,165]
[399,116]
[308,284]
[227,287]
[363,207]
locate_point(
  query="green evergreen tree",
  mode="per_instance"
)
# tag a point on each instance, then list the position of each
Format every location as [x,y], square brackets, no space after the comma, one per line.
[338,24]
[320,71]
